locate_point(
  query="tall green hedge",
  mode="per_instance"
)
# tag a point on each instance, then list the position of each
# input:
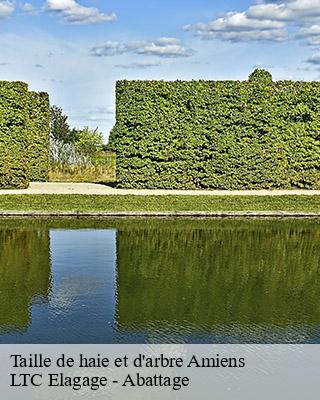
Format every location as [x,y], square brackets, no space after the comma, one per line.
[24,135]
[14,100]
[218,134]
[39,130]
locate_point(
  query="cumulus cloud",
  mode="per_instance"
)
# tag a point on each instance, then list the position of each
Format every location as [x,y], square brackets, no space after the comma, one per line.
[238,26]
[270,11]
[6,8]
[291,10]
[310,34]
[163,47]
[74,13]
[265,20]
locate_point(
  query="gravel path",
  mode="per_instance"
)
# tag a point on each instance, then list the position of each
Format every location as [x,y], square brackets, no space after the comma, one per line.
[97,189]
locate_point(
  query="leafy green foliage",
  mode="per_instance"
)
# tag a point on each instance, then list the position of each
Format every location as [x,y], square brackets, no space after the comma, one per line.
[24,135]
[59,126]
[218,134]
[88,141]
[14,117]
[39,136]
[260,76]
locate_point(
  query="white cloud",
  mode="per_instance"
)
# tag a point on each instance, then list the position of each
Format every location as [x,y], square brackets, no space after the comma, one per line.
[238,26]
[314,59]
[74,13]
[30,9]
[108,48]
[304,8]
[140,64]
[163,47]
[103,110]
[313,30]
[291,10]
[6,8]
[271,11]
[27,7]
[311,34]
[266,20]
[239,21]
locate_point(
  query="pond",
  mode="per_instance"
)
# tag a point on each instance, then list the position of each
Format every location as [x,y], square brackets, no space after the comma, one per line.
[159,281]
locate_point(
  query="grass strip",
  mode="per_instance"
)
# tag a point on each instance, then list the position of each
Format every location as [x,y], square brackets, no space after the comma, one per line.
[76,202]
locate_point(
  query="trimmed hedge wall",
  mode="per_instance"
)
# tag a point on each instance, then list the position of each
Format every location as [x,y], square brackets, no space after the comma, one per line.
[14,100]
[24,135]
[218,134]
[39,130]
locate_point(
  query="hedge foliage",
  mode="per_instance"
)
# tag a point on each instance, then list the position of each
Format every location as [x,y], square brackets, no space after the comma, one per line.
[218,134]
[14,99]
[39,130]
[24,135]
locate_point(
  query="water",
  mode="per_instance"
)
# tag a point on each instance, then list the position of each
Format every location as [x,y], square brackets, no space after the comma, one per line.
[160,281]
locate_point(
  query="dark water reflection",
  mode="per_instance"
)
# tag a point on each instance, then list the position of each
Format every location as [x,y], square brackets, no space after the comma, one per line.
[172,280]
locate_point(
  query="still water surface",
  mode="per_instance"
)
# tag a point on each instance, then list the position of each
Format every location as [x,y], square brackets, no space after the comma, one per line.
[159,281]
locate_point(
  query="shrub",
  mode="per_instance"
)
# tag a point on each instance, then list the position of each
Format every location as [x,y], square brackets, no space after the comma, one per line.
[24,135]
[88,141]
[39,120]
[14,166]
[217,134]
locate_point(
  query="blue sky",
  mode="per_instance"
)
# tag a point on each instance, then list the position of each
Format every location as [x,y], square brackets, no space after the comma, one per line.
[77,49]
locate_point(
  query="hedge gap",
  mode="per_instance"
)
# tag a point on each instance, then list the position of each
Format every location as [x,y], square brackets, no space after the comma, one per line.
[252,134]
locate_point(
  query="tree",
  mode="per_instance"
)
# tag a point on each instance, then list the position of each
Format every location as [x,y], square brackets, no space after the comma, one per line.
[88,141]
[59,127]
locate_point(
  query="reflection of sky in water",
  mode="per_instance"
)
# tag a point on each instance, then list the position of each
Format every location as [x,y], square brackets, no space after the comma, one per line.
[83,281]
[82,297]
[83,265]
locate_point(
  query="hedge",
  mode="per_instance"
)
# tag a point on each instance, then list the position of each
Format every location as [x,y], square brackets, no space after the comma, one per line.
[24,135]
[14,100]
[217,134]
[39,130]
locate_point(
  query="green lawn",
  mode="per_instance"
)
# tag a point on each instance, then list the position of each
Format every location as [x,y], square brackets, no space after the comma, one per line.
[158,203]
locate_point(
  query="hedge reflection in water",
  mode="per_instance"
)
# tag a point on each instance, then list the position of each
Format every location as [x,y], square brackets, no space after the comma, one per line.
[234,280]
[219,274]
[24,275]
